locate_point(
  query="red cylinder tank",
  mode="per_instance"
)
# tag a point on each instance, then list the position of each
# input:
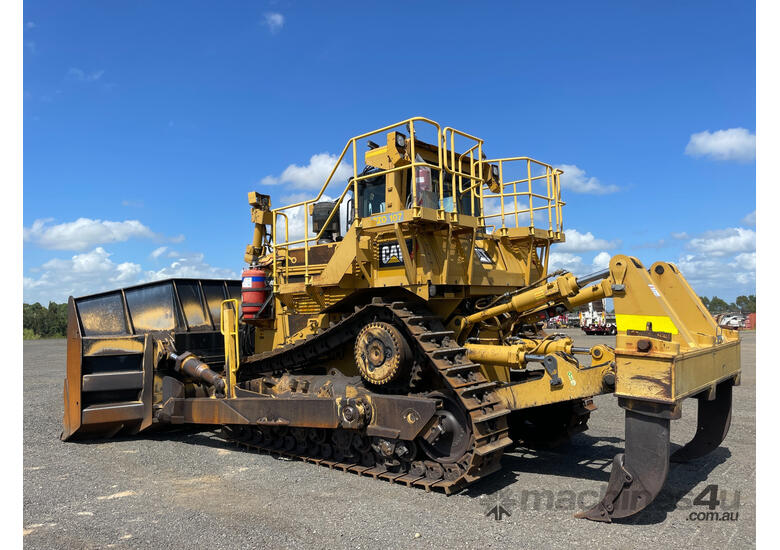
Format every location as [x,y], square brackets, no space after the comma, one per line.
[254,292]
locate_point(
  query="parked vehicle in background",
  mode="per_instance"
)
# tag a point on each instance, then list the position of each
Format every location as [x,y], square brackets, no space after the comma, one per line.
[559,321]
[732,321]
[593,320]
[601,330]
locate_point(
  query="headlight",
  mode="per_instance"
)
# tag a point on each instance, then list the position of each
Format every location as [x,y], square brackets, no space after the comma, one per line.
[494,169]
[400,139]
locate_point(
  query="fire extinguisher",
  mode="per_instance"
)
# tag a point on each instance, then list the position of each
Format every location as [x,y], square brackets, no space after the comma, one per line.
[254,292]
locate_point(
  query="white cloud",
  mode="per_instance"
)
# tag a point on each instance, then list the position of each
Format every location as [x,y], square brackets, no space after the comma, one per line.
[190,265]
[312,176]
[574,179]
[746,260]
[581,242]
[157,252]
[84,233]
[681,236]
[31,25]
[565,260]
[95,271]
[577,264]
[725,241]
[601,261]
[715,275]
[82,274]
[274,21]
[75,73]
[733,144]
[721,262]
[700,270]
[750,219]
[133,203]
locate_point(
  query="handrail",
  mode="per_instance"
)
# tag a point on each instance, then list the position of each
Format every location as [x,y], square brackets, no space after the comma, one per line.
[459,173]
[352,143]
[228,326]
[553,203]
[448,161]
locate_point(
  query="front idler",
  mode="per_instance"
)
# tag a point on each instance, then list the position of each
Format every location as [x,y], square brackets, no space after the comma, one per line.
[713,423]
[639,473]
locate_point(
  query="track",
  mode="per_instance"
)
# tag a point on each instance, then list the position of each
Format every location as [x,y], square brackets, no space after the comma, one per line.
[439,357]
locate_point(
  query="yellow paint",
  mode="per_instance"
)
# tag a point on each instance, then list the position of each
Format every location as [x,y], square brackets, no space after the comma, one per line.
[578,384]
[661,323]
[228,320]
[385,272]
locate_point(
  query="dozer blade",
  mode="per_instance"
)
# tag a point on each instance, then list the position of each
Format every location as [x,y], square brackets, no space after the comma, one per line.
[639,473]
[713,423]
[114,343]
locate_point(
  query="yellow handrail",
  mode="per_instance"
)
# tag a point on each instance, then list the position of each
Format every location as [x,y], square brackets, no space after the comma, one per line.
[449,161]
[509,190]
[228,326]
[352,143]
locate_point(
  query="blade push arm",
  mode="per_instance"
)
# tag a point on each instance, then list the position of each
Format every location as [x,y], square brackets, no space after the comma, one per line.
[567,291]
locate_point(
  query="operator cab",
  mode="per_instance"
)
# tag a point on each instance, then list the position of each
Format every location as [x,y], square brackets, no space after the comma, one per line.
[382,189]
[372,195]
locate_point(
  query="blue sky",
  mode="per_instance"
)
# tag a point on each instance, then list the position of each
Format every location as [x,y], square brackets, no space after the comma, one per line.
[146,123]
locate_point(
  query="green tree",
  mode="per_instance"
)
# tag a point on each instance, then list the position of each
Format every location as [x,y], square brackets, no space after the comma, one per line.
[717,305]
[705,301]
[747,304]
[51,322]
[58,319]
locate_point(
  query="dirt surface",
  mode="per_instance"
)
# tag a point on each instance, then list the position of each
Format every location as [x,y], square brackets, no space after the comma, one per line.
[188,489]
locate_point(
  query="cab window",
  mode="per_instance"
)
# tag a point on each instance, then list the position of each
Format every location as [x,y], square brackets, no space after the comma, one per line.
[371,196]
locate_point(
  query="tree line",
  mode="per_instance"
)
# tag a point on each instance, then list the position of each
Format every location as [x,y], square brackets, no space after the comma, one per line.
[743,304]
[41,322]
[52,322]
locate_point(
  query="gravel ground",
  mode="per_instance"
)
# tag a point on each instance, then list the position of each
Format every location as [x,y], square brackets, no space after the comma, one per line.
[189,489]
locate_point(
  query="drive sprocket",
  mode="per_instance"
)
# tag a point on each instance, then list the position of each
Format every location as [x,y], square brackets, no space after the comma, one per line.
[382,354]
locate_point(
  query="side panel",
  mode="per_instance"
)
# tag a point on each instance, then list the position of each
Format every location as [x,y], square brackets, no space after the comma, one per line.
[695,372]
[71,420]
[147,391]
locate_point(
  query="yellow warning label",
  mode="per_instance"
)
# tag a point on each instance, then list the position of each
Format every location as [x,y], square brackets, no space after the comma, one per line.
[660,323]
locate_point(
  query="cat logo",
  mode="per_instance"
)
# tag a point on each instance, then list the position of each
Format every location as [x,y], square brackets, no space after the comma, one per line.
[390,254]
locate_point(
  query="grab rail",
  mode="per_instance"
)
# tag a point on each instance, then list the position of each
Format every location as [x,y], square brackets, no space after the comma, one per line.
[552,198]
[305,240]
[228,326]
[468,177]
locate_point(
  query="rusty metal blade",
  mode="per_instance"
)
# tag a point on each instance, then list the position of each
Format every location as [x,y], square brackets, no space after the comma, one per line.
[638,474]
[713,423]
[111,359]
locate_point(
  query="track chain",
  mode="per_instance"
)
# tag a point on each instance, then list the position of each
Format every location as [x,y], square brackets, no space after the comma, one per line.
[435,346]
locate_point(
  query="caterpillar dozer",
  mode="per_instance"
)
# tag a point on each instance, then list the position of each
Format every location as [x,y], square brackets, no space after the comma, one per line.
[395,331]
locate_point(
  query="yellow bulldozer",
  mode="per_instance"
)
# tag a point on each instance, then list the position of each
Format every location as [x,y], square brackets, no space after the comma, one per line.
[396,331]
